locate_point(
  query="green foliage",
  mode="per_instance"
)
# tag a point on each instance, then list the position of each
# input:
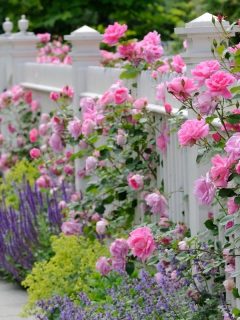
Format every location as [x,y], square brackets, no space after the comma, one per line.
[69,271]
[14,178]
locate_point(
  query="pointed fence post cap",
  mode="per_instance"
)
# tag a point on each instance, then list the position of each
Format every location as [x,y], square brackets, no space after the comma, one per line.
[206,20]
[84,32]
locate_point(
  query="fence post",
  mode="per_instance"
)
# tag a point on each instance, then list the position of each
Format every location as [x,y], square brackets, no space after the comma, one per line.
[23,49]
[199,34]
[5,61]
[85,52]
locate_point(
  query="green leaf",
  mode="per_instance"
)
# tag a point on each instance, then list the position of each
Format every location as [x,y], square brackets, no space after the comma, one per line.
[235,89]
[225,193]
[235,293]
[78,155]
[233,118]
[130,267]
[211,226]
[237,200]
[236,312]
[129,74]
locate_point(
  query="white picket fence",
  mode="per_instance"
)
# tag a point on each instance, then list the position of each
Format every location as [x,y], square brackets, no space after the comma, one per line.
[179,170]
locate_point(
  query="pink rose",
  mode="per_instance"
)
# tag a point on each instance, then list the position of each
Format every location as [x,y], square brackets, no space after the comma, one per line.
[44,37]
[54,96]
[205,103]
[127,50]
[141,242]
[91,164]
[62,205]
[88,126]
[45,118]
[118,263]
[35,153]
[75,128]
[44,181]
[233,146]
[119,248]
[220,170]
[219,82]
[67,91]
[28,97]
[152,37]
[181,88]
[113,33]
[135,181]
[178,64]
[191,131]
[204,70]
[232,206]
[71,228]
[101,226]
[157,203]
[55,143]
[121,138]
[204,190]
[121,95]
[168,108]
[68,169]
[163,139]
[43,129]
[33,135]
[34,106]
[164,68]
[140,103]
[103,266]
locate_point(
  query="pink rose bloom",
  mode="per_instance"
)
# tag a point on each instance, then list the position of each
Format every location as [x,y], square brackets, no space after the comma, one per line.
[232,206]
[181,88]
[67,91]
[28,97]
[54,96]
[101,226]
[219,172]
[67,60]
[121,95]
[55,142]
[44,37]
[103,266]
[70,228]
[127,50]
[149,52]
[191,131]
[91,164]
[35,153]
[21,141]
[157,203]
[108,56]
[204,70]
[62,205]
[164,68]
[135,181]
[219,82]
[160,92]
[233,146]
[34,106]
[237,168]
[11,128]
[121,138]
[168,108]
[141,242]
[153,38]
[140,104]
[43,129]
[88,126]
[204,190]
[205,103]
[75,128]
[113,33]
[68,169]
[45,118]
[87,104]
[43,181]
[33,135]
[118,263]
[119,248]
[229,284]
[178,64]
[106,99]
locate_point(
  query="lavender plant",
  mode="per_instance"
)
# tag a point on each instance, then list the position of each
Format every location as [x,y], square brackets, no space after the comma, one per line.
[142,298]
[25,233]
